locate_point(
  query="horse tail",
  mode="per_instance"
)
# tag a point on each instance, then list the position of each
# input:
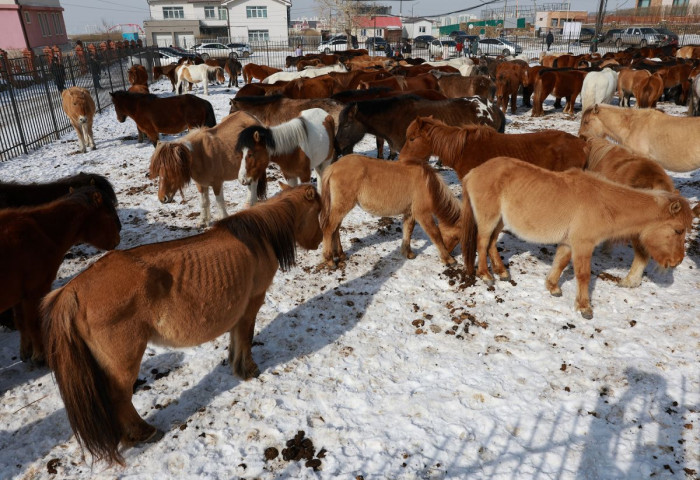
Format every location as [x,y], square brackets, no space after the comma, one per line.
[210,117]
[446,205]
[469,232]
[326,196]
[82,383]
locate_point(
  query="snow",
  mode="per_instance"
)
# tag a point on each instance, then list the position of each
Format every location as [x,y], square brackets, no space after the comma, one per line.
[360,358]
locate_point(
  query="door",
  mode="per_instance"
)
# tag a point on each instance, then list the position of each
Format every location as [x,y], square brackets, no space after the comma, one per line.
[162,39]
[184,40]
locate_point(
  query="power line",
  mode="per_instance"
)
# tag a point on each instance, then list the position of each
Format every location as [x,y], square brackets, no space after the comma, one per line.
[468,9]
[102,8]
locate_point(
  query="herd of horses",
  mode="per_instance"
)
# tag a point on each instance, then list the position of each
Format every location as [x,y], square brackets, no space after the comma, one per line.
[544,187]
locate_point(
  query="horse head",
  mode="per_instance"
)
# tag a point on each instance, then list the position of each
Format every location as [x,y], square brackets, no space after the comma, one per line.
[307,229]
[78,104]
[118,99]
[350,129]
[664,239]
[591,125]
[417,146]
[102,226]
[255,144]
[171,162]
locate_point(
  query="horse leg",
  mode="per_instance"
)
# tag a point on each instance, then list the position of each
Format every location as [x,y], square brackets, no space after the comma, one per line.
[513,102]
[380,147]
[496,262]
[332,248]
[641,258]
[220,202]
[582,270]
[240,356]
[425,219]
[557,102]
[27,321]
[561,260]
[79,132]
[87,135]
[409,222]
[204,202]
[253,192]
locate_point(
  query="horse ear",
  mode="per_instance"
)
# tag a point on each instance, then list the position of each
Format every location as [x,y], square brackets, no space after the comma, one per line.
[284,186]
[256,136]
[71,190]
[675,207]
[92,181]
[310,193]
[97,198]
[353,109]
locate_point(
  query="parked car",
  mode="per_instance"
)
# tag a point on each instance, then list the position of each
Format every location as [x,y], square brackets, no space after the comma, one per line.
[586,35]
[437,48]
[342,36]
[240,49]
[611,35]
[457,33]
[638,37]
[156,58]
[498,46]
[177,52]
[466,39]
[422,41]
[670,38]
[375,43]
[334,45]
[213,50]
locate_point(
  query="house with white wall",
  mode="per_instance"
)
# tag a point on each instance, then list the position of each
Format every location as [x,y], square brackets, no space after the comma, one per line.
[184,22]
[416,26]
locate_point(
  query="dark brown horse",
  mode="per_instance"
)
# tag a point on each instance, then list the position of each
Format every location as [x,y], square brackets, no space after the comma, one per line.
[98,325]
[138,75]
[463,148]
[168,71]
[33,243]
[261,89]
[560,83]
[154,115]
[425,81]
[389,117]
[14,195]
[457,86]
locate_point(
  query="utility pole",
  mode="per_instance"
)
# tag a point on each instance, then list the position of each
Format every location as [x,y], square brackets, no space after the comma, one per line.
[600,17]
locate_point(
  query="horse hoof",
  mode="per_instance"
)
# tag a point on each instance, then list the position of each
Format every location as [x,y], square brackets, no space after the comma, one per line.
[504,277]
[155,437]
[587,314]
[556,293]
[629,283]
[488,281]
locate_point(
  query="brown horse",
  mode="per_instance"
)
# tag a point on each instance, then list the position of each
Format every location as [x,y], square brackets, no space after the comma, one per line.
[424,81]
[628,81]
[413,190]
[457,86]
[622,166]
[166,70]
[649,90]
[13,195]
[314,87]
[138,75]
[575,209]
[560,83]
[80,110]
[463,148]
[139,88]
[261,89]
[389,117]
[154,115]
[508,81]
[207,156]
[99,324]
[33,243]
[261,72]
[666,139]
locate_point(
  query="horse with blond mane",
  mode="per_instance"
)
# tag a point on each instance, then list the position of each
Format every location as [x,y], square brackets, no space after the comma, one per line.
[80,110]
[205,155]
[411,189]
[98,325]
[463,148]
[575,209]
[666,139]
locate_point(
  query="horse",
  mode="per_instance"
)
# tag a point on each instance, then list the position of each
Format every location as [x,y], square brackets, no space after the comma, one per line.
[205,155]
[309,72]
[628,81]
[457,86]
[649,90]
[508,81]
[80,110]
[666,139]
[96,343]
[154,115]
[560,83]
[694,100]
[234,68]
[301,144]
[14,195]
[261,72]
[598,87]
[201,73]
[424,81]
[575,209]
[465,147]
[167,70]
[388,118]
[622,166]
[304,88]
[411,189]
[138,75]
[33,243]
[260,89]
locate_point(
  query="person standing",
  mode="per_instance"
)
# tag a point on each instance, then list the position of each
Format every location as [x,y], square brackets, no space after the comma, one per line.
[58,72]
[95,66]
[459,46]
[549,39]
[475,47]
[298,52]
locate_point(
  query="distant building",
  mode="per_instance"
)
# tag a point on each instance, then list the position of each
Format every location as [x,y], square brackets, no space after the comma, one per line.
[31,24]
[416,26]
[555,20]
[389,28]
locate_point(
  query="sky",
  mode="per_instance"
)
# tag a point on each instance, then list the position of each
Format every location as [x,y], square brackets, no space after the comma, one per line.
[85,16]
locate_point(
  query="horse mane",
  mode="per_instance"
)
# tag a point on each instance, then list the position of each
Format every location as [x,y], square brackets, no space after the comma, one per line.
[173,159]
[348,95]
[259,100]
[288,136]
[447,208]
[246,138]
[450,142]
[134,95]
[599,149]
[380,105]
[13,195]
[267,223]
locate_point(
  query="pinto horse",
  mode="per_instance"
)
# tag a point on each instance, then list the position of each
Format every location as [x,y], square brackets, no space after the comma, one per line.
[575,209]
[96,343]
[33,243]
[413,190]
[622,166]
[301,144]
[80,110]
[154,115]
[669,140]
[202,73]
[206,156]
[464,148]
[261,72]
[388,118]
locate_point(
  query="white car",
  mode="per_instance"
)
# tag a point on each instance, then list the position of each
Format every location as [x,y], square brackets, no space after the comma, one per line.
[214,50]
[437,48]
[336,45]
[240,49]
[158,58]
[498,46]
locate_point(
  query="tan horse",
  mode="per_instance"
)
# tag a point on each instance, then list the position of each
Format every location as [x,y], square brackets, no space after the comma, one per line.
[575,209]
[666,139]
[80,109]
[381,188]
[98,325]
[622,166]
[205,155]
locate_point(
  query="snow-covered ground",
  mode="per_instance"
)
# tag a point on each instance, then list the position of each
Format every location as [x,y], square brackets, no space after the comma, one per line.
[388,364]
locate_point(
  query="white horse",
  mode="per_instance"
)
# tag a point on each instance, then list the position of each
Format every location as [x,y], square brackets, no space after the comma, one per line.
[199,73]
[306,73]
[311,132]
[598,87]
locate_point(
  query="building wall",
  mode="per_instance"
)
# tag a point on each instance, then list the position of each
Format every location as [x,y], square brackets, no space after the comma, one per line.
[275,23]
[31,26]
[11,34]
[546,20]
[412,30]
[171,27]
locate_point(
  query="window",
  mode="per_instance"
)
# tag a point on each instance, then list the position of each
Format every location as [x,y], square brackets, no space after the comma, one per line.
[27,18]
[643,3]
[258,35]
[421,29]
[209,12]
[555,22]
[678,3]
[363,32]
[57,24]
[256,12]
[173,12]
[223,13]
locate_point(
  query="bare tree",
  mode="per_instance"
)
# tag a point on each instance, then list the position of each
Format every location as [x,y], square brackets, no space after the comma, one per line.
[343,14]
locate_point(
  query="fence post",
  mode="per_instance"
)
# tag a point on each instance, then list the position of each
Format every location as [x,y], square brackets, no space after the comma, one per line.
[11,89]
[267,50]
[69,58]
[48,95]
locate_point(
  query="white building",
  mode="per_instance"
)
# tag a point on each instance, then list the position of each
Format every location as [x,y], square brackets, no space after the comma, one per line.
[416,26]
